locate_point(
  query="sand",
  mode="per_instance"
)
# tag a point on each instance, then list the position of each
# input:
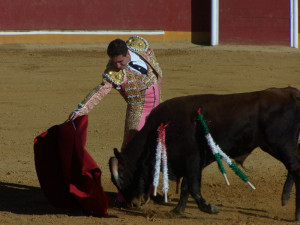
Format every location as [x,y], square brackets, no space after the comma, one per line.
[42,84]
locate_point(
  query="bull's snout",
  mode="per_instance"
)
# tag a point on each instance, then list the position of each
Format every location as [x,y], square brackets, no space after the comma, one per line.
[139,201]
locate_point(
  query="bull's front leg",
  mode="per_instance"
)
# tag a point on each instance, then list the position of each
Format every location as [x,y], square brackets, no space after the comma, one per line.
[202,204]
[184,194]
[194,186]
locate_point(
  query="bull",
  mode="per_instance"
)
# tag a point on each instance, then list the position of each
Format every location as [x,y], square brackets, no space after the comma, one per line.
[239,123]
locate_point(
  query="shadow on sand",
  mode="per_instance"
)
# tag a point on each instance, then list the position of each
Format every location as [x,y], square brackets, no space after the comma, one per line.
[29,200]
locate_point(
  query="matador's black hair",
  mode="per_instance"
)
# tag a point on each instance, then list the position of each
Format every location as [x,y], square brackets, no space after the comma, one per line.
[117,47]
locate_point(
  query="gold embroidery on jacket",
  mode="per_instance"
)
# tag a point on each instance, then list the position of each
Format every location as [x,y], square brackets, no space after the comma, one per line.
[136,43]
[114,75]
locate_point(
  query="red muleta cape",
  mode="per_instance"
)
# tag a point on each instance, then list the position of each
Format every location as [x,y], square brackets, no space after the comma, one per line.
[68,175]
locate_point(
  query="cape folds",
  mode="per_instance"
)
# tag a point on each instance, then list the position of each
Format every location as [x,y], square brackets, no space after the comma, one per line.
[68,175]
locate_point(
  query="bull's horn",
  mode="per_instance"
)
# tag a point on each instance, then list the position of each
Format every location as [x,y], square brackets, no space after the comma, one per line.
[114,170]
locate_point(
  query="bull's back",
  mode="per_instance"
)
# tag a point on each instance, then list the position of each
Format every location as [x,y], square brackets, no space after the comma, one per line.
[225,105]
[232,117]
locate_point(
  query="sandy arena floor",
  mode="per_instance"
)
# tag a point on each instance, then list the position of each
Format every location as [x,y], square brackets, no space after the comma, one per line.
[42,84]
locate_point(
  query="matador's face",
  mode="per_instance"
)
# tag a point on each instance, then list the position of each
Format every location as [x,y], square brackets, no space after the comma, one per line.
[120,61]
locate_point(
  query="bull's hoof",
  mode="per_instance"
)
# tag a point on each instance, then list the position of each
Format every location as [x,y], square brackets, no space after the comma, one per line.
[178,210]
[285,198]
[209,208]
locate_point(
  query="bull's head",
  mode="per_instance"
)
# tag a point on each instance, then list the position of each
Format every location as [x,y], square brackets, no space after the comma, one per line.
[129,180]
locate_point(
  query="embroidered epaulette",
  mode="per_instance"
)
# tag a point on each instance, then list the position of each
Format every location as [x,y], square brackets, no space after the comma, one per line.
[114,75]
[136,43]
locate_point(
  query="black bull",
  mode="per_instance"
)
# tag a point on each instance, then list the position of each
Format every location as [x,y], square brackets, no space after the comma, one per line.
[269,119]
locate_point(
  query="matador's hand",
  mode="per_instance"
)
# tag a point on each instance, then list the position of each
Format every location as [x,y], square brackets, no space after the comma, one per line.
[73,115]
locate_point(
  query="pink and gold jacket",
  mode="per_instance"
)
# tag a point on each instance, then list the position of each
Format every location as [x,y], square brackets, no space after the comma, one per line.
[130,84]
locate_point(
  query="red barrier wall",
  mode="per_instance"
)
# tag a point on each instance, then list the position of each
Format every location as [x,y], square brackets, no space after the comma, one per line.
[168,15]
[255,22]
[241,21]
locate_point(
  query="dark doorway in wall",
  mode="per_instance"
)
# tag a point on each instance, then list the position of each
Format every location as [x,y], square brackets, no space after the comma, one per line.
[200,21]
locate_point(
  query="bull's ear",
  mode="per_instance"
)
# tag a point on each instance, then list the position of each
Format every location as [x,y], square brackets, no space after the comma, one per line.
[117,153]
